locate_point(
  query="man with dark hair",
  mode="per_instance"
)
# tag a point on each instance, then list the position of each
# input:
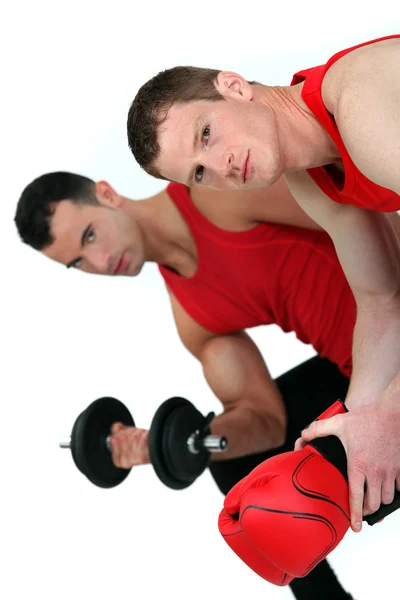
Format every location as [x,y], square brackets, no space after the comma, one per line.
[38,201]
[228,266]
[334,134]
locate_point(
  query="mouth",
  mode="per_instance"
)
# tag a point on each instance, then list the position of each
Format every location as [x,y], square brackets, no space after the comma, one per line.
[245,168]
[120,266]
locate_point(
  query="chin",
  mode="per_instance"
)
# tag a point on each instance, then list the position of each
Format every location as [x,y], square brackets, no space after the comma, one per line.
[133,272]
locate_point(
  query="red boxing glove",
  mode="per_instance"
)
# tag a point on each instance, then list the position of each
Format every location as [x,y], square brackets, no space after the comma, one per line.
[288,514]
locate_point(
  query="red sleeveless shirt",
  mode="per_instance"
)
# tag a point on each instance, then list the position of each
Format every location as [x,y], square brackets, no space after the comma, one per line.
[271,274]
[357,189]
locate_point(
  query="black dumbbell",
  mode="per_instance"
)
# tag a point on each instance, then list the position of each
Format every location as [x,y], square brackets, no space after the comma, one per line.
[180,444]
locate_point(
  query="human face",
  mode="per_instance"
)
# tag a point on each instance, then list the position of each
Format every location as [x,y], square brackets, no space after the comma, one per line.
[227,144]
[96,239]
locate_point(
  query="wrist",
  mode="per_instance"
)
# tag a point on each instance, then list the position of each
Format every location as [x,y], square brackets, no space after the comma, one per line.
[145,448]
[354,400]
[389,400]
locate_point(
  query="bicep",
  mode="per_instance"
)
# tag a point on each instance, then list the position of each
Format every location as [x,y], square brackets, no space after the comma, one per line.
[232,365]
[236,372]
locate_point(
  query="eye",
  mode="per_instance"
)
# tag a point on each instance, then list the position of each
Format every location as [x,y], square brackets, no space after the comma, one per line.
[199,173]
[77,264]
[206,133]
[91,236]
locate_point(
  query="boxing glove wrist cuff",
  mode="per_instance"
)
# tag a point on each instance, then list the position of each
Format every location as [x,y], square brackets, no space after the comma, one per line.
[331,447]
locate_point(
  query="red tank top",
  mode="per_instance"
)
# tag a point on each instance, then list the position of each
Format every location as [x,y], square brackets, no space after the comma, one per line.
[271,274]
[357,189]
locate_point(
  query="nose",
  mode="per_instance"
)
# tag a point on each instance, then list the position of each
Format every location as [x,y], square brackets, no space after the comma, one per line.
[222,165]
[100,262]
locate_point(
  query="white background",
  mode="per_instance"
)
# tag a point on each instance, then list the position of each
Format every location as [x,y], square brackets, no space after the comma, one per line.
[69,71]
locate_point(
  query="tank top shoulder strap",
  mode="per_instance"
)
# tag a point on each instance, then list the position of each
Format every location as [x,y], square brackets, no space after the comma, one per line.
[198,223]
[180,196]
[315,74]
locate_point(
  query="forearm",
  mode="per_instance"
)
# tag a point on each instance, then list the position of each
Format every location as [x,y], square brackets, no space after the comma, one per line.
[254,417]
[369,252]
[368,249]
[376,350]
[247,432]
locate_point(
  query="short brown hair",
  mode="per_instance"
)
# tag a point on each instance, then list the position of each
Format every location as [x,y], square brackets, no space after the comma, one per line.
[149,109]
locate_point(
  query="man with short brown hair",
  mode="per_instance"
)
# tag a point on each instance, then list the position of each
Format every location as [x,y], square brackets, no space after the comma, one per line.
[334,135]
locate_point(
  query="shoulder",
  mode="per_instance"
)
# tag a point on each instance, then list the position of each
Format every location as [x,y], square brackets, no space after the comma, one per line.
[192,335]
[363,69]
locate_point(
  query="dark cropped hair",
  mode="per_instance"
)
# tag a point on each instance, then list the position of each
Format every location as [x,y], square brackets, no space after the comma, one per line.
[149,109]
[36,204]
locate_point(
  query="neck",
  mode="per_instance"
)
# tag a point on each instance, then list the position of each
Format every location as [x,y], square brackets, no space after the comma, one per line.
[303,141]
[167,237]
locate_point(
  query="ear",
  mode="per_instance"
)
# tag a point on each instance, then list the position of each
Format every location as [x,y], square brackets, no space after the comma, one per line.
[232,85]
[107,195]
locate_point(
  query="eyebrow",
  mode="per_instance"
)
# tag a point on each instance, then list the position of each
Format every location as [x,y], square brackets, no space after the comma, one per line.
[83,238]
[197,127]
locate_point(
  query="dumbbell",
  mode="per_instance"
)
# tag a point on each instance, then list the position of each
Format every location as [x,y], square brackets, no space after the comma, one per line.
[180,444]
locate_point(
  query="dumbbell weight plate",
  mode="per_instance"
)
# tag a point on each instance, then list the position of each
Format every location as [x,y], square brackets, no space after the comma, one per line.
[172,425]
[88,441]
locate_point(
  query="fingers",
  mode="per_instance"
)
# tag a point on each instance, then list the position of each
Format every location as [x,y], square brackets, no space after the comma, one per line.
[299,444]
[356,498]
[120,445]
[372,497]
[388,488]
[369,489]
[129,446]
[322,428]
[318,429]
[390,485]
[115,427]
[144,456]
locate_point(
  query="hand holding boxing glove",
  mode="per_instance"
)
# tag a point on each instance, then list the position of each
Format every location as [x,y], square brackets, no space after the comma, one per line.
[129,446]
[288,514]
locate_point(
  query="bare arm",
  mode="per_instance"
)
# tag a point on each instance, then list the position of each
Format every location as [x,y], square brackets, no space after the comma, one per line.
[394,219]
[369,251]
[363,94]
[254,417]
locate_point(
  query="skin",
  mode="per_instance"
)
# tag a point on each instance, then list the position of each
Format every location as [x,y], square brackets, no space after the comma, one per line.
[232,364]
[226,148]
[153,230]
[255,135]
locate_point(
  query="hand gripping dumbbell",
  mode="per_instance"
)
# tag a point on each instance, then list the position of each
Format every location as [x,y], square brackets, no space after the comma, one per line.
[180,444]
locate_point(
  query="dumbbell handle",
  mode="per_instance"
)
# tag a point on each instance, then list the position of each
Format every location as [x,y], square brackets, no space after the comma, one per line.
[212,443]
[66,442]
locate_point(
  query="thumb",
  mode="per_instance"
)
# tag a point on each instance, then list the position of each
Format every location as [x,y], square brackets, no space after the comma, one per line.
[299,444]
[116,427]
[321,428]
